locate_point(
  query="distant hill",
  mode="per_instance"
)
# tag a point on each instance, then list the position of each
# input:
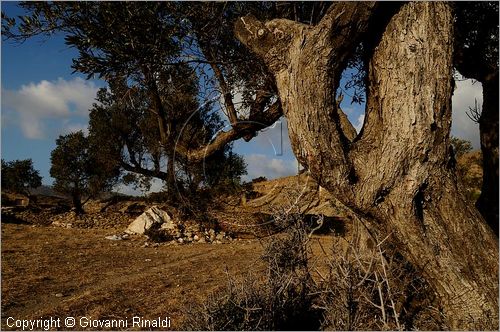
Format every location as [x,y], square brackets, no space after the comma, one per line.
[46,191]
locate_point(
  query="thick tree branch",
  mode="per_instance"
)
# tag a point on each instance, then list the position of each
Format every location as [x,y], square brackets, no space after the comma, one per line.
[144,171]
[224,87]
[241,129]
[304,58]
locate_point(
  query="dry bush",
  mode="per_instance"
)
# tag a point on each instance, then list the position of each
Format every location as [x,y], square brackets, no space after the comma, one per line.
[156,234]
[375,289]
[281,300]
[369,289]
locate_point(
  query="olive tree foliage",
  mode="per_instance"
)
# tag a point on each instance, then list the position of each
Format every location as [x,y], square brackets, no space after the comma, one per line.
[78,171]
[127,136]
[153,64]
[157,59]
[20,176]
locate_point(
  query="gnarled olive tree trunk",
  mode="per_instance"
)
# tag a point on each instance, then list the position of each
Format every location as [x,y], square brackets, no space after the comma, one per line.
[397,172]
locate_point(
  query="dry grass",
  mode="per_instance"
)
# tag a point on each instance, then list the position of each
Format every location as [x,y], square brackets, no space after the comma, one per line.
[110,279]
[114,279]
[294,279]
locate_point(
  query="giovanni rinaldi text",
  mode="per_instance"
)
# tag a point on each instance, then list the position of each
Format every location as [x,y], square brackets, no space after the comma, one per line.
[86,322]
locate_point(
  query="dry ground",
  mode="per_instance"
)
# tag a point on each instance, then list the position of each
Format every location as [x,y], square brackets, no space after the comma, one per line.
[56,272]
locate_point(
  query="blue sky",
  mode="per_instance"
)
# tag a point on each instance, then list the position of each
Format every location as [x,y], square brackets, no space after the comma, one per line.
[42,99]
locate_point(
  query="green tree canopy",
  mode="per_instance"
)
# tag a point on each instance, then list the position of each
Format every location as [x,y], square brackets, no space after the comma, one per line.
[20,176]
[77,171]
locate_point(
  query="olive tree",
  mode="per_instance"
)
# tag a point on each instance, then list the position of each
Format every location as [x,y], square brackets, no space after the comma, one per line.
[396,173]
[77,171]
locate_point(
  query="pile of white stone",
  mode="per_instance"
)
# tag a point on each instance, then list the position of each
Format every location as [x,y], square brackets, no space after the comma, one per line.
[156,218]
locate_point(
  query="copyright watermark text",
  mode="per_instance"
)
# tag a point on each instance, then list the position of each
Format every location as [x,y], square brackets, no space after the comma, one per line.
[46,324]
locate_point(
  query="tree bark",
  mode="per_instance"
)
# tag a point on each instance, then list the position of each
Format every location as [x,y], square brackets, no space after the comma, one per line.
[171,181]
[77,203]
[396,171]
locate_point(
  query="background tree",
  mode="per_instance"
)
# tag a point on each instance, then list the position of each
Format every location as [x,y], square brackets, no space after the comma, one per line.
[148,51]
[77,171]
[20,176]
[460,146]
[129,139]
[476,57]
[468,168]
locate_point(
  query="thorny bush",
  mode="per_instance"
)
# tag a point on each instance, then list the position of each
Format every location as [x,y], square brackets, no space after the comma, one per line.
[372,288]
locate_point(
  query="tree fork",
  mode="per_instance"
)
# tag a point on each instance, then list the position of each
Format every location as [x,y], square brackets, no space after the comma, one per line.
[396,170]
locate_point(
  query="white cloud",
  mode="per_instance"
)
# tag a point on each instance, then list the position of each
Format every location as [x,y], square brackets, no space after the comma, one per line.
[271,168]
[359,123]
[35,104]
[463,98]
[74,127]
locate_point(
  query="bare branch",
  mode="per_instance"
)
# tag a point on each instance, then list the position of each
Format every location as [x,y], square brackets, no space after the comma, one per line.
[474,113]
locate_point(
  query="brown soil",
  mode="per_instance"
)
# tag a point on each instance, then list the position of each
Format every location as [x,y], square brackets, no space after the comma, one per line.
[60,272]
[57,272]
[102,279]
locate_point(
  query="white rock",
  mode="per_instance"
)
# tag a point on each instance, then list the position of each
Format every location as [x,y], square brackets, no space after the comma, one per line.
[114,238]
[196,237]
[180,240]
[152,216]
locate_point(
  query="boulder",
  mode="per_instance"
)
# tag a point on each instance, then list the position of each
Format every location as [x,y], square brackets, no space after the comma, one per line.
[151,217]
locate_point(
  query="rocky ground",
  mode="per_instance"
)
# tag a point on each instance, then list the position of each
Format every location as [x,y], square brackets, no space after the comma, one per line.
[57,264]
[62,272]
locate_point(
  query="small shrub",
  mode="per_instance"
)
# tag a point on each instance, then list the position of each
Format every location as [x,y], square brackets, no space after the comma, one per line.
[259,179]
[373,288]
[279,301]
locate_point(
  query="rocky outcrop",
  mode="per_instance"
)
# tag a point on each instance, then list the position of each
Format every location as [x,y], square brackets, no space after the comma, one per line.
[154,217]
